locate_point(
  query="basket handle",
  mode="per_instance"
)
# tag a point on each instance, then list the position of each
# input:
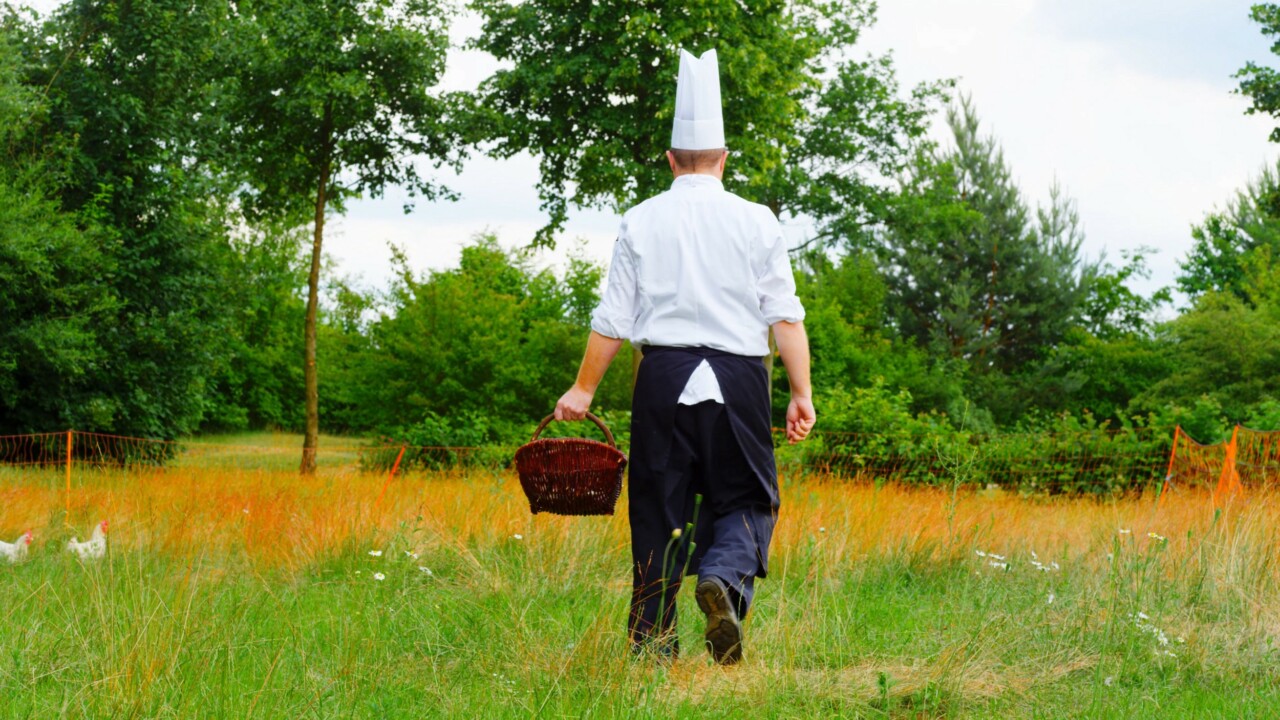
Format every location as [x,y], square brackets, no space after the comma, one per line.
[599,423]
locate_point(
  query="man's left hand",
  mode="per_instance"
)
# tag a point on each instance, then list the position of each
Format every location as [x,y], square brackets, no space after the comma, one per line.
[574,404]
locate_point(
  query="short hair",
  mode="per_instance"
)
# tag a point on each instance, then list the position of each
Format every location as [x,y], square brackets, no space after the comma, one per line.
[697,159]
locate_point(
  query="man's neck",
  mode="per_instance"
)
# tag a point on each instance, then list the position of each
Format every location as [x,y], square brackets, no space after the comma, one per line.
[706,173]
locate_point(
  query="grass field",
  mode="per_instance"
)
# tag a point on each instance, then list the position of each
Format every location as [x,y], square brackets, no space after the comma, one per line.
[234,589]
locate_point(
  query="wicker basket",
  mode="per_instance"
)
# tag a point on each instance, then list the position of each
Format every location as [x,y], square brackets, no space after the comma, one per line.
[571,476]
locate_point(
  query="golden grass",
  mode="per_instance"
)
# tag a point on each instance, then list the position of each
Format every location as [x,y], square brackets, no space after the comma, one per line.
[280,520]
[828,532]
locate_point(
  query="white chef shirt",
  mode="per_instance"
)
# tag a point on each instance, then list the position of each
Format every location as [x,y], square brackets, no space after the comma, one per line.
[697,266]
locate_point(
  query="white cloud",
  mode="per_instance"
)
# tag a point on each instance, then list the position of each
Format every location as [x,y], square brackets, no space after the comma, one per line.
[1145,150]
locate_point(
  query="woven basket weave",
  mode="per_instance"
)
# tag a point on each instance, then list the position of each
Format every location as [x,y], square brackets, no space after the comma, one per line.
[571,476]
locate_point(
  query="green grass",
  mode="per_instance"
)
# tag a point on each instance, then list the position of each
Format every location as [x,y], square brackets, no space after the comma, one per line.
[912,627]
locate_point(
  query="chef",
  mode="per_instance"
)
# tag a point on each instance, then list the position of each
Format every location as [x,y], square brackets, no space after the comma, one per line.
[698,278]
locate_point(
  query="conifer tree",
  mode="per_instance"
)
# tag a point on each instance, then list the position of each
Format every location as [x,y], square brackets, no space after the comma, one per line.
[971,273]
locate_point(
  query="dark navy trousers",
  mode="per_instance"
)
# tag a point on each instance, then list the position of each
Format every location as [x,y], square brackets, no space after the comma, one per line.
[720,452]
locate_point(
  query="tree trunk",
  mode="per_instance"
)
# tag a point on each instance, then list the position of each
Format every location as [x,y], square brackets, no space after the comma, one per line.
[311,380]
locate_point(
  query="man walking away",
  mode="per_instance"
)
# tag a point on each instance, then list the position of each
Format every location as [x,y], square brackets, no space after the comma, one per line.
[698,278]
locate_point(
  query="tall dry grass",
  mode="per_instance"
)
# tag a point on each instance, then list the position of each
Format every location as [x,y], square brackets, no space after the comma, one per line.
[882,602]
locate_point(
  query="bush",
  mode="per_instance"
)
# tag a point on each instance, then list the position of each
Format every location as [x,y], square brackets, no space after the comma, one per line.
[438,442]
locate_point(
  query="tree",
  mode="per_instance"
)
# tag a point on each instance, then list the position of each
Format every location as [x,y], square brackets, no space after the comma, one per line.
[259,381]
[327,100]
[1259,83]
[590,92]
[1114,310]
[970,274]
[53,298]
[1227,238]
[1225,350]
[128,87]
[493,328]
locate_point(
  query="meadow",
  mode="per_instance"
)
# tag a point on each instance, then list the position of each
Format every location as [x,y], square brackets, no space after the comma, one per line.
[234,588]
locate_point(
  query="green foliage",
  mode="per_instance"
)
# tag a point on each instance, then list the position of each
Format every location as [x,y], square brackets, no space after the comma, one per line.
[259,383]
[493,334]
[969,274]
[129,93]
[1112,309]
[55,296]
[467,439]
[337,89]
[1259,83]
[1230,239]
[590,87]
[871,432]
[1222,349]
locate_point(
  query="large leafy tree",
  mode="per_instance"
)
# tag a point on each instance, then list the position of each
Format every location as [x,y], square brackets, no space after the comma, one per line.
[55,298]
[588,88]
[328,100]
[128,87]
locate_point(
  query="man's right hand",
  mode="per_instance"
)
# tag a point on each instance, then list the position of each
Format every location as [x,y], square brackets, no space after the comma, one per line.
[574,404]
[800,419]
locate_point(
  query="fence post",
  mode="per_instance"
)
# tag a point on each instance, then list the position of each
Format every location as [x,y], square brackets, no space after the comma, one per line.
[66,518]
[1229,482]
[1168,474]
[390,475]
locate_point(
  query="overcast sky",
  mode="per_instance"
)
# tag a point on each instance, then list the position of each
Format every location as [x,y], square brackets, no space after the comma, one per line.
[1127,104]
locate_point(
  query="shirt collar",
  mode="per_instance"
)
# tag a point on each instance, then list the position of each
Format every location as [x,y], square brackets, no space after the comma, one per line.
[693,180]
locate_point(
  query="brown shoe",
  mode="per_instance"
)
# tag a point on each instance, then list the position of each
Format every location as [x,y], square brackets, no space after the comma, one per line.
[724,632]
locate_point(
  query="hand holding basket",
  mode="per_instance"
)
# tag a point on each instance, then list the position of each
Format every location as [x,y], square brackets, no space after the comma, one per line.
[571,476]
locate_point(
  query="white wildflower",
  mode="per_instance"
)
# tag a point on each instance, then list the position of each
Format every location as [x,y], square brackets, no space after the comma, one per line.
[980,553]
[426,570]
[999,565]
[518,536]
[375,553]
[379,577]
[1125,531]
[1110,679]
[822,529]
[1156,537]
[1050,599]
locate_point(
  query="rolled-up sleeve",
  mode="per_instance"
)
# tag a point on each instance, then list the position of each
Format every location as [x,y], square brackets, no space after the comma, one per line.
[616,314]
[776,285]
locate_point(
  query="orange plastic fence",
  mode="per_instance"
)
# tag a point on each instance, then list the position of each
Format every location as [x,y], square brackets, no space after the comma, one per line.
[1250,459]
[1068,462]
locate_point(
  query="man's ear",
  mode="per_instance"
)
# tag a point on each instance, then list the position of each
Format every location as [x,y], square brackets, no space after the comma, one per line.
[724,158]
[671,160]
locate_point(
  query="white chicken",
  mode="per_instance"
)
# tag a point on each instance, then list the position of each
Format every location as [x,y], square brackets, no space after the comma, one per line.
[94,547]
[16,551]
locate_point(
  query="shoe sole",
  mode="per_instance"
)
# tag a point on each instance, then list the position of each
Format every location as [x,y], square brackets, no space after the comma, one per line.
[724,632]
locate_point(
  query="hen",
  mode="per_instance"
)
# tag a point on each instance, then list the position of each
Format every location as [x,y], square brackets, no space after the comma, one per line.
[16,551]
[94,547]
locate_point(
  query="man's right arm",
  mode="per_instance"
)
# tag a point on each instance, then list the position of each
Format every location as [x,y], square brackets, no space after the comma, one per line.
[793,346]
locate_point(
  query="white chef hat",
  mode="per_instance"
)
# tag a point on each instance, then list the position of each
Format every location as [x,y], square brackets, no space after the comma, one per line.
[698,124]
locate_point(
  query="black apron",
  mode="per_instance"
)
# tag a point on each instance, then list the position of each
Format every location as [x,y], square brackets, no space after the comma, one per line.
[740,497]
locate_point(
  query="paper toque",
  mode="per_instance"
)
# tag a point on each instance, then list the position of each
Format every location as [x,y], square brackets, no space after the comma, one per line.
[698,123]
